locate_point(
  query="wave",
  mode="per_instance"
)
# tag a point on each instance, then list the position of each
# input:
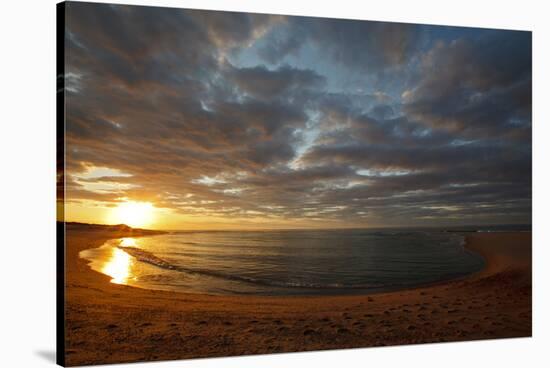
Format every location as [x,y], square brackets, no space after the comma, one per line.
[149,258]
[146,257]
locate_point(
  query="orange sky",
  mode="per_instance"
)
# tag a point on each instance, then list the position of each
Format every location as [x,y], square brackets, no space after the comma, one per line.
[146,215]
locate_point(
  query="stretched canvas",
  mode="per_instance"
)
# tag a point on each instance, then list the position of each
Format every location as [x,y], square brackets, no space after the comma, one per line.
[233,183]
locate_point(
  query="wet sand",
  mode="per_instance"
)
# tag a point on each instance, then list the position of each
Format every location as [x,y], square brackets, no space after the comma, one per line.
[110,323]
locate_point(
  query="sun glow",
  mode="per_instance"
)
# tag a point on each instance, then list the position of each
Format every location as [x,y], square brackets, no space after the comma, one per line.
[135,214]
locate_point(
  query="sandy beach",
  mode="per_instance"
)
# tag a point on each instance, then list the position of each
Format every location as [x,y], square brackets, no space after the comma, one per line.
[110,323]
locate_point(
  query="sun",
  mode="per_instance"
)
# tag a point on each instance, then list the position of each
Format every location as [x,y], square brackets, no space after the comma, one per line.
[134,214]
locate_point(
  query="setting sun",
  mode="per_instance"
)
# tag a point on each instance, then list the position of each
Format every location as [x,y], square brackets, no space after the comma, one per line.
[135,214]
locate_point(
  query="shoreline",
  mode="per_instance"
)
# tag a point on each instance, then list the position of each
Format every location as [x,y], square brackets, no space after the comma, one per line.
[143,233]
[112,323]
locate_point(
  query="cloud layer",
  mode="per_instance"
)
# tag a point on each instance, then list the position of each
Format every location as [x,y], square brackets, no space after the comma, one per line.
[263,120]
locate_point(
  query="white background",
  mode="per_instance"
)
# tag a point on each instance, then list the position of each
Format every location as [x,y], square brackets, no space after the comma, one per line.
[27,179]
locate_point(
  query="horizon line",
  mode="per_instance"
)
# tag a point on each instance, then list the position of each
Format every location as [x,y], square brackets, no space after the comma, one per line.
[530,225]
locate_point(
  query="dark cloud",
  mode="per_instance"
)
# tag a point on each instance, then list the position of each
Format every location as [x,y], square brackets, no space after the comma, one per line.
[268,84]
[174,105]
[368,46]
[476,88]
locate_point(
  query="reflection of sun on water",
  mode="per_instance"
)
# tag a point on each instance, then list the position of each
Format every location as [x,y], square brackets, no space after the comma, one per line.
[118,266]
[127,242]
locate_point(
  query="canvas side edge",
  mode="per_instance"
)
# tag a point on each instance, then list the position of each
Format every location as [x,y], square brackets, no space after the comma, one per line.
[60,184]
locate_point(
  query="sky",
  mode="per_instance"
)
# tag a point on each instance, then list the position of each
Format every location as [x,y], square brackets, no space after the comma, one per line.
[188,119]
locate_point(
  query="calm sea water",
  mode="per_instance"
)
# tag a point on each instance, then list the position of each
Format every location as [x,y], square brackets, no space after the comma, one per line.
[308,262]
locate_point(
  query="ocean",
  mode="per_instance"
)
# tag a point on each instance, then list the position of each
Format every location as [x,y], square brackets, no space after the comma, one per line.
[285,262]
